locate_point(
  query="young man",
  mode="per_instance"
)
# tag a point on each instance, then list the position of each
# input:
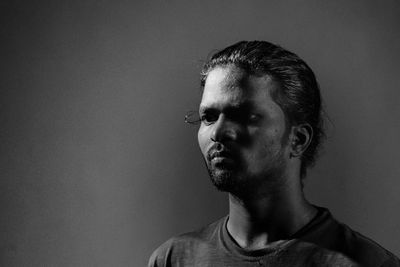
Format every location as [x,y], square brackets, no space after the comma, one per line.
[260,130]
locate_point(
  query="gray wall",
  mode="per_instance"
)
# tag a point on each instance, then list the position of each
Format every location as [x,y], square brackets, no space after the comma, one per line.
[97,167]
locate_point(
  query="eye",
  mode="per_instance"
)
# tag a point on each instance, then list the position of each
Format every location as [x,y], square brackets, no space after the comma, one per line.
[246,118]
[253,118]
[209,117]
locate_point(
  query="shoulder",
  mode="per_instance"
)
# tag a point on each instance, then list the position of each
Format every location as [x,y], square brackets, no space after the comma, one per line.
[327,232]
[365,249]
[185,246]
[308,254]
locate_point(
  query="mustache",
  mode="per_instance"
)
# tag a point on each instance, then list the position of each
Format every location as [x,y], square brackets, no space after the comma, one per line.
[219,150]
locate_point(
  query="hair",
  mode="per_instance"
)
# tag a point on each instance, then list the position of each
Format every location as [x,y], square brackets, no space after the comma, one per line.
[298,94]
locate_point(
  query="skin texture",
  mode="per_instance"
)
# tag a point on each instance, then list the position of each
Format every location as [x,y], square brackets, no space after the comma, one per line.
[252,153]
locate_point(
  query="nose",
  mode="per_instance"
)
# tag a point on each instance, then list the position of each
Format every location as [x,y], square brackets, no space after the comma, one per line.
[224,130]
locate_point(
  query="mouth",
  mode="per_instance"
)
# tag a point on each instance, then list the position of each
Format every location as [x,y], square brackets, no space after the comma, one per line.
[221,158]
[220,154]
[222,162]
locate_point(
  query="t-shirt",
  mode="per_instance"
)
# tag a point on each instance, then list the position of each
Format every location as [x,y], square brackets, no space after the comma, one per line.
[322,242]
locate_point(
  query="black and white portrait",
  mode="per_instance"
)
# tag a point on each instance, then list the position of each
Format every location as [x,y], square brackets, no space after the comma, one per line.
[125,124]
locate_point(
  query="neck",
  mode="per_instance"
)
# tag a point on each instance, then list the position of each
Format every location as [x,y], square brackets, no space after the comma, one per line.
[254,223]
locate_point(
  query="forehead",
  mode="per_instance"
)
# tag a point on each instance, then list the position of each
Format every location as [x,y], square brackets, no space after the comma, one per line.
[233,86]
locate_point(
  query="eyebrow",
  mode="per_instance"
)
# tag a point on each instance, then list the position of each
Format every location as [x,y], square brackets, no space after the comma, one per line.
[246,105]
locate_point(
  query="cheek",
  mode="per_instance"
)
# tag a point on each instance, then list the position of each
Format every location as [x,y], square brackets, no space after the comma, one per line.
[202,138]
[266,145]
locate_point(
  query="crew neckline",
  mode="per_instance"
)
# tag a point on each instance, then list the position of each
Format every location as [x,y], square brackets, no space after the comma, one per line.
[273,248]
[230,244]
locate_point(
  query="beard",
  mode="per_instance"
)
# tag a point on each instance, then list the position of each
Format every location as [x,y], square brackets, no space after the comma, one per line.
[223,180]
[238,179]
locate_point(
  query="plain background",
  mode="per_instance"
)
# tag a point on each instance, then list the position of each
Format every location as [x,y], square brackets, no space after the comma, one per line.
[98,167]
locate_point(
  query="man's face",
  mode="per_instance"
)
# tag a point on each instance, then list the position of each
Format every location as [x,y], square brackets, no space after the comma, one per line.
[243,133]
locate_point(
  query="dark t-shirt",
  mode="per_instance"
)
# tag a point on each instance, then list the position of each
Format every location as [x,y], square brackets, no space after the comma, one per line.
[322,242]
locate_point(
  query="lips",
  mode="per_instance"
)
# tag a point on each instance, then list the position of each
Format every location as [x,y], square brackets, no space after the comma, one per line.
[220,154]
[221,158]
[219,151]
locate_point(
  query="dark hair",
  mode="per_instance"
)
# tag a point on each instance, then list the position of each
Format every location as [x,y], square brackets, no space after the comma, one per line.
[299,94]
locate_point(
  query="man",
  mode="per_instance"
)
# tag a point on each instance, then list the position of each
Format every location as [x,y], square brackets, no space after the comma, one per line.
[260,130]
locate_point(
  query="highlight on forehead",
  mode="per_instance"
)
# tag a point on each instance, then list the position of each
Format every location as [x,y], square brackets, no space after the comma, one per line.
[237,77]
[233,76]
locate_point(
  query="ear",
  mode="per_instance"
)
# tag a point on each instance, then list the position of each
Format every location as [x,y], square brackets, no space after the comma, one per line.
[301,136]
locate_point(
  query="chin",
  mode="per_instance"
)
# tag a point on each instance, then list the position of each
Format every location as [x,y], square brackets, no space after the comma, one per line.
[222,179]
[241,185]
[227,181]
